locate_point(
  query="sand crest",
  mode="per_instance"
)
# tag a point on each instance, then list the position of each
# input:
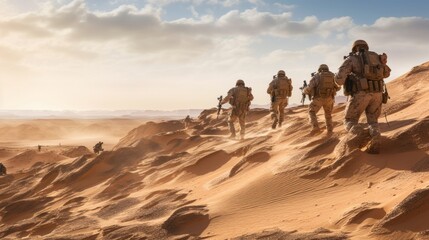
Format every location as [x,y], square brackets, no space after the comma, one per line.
[162,181]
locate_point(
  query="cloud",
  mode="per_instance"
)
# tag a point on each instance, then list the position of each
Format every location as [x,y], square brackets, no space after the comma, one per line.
[70,44]
[335,25]
[285,7]
[225,3]
[398,30]
[142,30]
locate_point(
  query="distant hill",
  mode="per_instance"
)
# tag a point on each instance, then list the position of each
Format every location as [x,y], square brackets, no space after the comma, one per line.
[98,114]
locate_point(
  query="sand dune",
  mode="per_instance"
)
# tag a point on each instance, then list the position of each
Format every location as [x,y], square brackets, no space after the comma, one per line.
[161,181]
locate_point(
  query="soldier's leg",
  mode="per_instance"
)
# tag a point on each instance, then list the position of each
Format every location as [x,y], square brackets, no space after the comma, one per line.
[231,121]
[275,114]
[313,108]
[373,112]
[354,139]
[282,105]
[328,106]
[354,108]
[242,121]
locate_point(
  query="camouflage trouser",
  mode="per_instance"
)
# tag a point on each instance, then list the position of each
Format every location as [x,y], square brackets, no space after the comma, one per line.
[241,115]
[278,109]
[360,102]
[314,107]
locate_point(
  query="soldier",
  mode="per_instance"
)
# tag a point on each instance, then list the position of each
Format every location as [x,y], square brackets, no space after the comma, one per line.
[280,89]
[362,75]
[239,97]
[187,121]
[2,169]
[98,147]
[322,88]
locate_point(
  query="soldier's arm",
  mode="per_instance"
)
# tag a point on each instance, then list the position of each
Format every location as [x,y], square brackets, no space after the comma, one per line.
[387,70]
[228,97]
[383,60]
[270,87]
[343,72]
[313,82]
[250,95]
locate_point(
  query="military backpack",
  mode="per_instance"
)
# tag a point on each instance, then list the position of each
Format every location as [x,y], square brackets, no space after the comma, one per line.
[283,87]
[241,97]
[326,87]
[373,69]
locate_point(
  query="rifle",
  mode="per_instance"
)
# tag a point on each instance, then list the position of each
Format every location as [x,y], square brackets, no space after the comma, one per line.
[385,94]
[385,116]
[303,94]
[219,105]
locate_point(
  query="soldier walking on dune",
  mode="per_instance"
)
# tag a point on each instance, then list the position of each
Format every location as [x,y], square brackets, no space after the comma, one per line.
[239,97]
[362,75]
[280,89]
[98,147]
[2,169]
[187,121]
[323,89]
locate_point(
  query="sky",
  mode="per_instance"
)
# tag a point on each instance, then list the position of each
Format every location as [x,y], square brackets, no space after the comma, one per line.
[183,54]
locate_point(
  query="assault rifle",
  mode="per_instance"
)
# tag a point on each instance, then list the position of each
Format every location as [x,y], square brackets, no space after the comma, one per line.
[350,54]
[303,94]
[385,95]
[219,105]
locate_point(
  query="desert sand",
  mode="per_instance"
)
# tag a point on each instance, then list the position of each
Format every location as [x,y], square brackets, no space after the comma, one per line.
[161,181]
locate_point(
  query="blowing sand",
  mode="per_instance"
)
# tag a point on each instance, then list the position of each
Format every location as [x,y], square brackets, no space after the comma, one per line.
[161,181]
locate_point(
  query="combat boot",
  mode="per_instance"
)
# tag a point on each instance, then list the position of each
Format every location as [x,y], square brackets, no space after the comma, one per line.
[315,131]
[356,137]
[274,124]
[373,146]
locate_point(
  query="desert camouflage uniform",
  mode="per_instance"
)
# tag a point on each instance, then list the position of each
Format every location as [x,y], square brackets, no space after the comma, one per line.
[318,102]
[239,110]
[2,169]
[280,102]
[187,121]
[370,102]
[361,101]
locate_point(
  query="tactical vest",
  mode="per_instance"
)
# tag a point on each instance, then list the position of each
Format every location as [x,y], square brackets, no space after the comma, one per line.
[282,87]
[371,77]
[326,87]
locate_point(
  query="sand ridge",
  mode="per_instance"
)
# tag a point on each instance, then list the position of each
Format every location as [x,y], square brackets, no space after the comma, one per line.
[162,181]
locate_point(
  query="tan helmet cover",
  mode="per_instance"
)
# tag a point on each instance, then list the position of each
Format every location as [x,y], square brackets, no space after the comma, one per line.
[239,82]
[281,73]
[323,67]
[359,43]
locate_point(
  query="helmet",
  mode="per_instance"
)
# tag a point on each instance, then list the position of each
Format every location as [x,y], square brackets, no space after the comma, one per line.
[359,43]
[281,73]
[323,67]
[239,82]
